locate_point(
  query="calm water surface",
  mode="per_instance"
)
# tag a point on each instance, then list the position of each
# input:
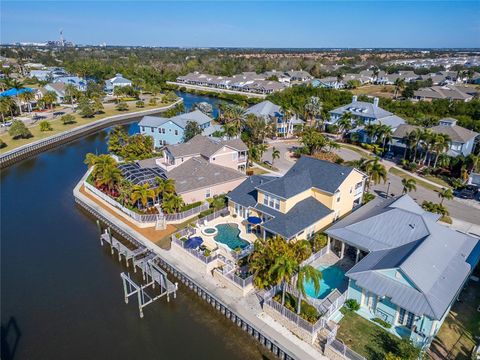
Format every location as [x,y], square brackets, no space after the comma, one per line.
[63,292]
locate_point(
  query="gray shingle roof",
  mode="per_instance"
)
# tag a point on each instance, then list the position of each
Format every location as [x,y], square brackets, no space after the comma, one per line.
[245,194]
[364,109]
[399,234]
[308,172]
[206,146]
[302,215]
[181,120]
[264,109]
[455,132]
[198,173]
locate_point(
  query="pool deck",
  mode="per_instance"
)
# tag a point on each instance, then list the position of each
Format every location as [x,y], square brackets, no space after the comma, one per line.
[331,259]
[209,240]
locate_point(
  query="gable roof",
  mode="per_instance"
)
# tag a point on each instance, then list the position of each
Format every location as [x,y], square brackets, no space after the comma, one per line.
[455,132]
[180,120]
[198,173]
[308,172]
[206,146]
[264,109]
[245,194]
[362,108]
[399,234]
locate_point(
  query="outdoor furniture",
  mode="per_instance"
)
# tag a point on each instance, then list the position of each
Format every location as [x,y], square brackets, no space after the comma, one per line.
[193,242]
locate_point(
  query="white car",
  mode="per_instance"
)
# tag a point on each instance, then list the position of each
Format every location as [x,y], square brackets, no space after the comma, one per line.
[6,123]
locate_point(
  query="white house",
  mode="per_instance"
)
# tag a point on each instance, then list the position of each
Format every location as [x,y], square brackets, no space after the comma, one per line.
[118,80]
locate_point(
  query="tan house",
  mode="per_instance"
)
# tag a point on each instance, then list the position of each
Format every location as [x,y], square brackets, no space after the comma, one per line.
[308,198]
[204,167]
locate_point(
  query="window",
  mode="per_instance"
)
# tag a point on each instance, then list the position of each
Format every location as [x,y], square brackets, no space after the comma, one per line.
[152,130]
[163,131]
[358,185]
[176,132]
[143,128]
[234,156]
[271,201]
[208,194]
[310,232]
[406,318]
[159,130]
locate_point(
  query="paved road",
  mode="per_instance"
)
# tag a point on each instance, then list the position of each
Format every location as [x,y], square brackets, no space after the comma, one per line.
[458,208]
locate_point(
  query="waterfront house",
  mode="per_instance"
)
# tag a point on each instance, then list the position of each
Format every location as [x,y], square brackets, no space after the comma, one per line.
[167,131]
[271,112]
[59,90]
[309,197]
[409,268]
[117,80]
[462,140]
[204,167]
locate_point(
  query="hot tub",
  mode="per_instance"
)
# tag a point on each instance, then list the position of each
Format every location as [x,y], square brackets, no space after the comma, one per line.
[210,231]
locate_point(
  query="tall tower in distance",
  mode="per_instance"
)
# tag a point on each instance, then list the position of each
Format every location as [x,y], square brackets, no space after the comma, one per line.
[62,40]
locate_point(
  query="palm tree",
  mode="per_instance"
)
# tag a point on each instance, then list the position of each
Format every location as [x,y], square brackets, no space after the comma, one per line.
[409,184]
[445,193]
[172,203]
[7,104]
[124,192]
[282,272]
[313,108]
[376,172]
[442,160]
[275,154]
[441,143]
[49,98]
[345,123]
[307,274]
[72,92]
[413,138]
[261,148]
[164,186]
[109,177]
[142,193]
[26,98]
[399,85]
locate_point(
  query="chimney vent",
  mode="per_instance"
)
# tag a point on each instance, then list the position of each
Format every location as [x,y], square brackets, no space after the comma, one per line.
[354,98]
[375,102]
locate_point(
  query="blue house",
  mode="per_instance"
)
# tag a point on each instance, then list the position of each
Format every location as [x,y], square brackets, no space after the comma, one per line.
[169,131]
[409,269]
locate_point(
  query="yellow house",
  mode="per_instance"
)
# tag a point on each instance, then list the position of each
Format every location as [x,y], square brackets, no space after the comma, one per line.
[309,197]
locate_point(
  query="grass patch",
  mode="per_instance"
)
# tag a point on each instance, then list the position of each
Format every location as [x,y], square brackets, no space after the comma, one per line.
[58,127]
[457,336]
[358,150]
[256,171]
[404,175]
[364,337]
[436,180]
[446,219]
[386,91]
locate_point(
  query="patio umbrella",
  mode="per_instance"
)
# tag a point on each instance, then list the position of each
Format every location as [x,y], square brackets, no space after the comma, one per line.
[193,242]
[254,220]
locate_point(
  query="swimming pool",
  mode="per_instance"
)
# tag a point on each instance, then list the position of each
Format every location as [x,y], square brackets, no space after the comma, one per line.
[333,278]
[228,234]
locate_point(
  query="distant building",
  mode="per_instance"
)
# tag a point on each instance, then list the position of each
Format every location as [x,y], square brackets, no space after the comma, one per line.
[299,75]
[48,74]
[168,131]
[448,92]
[118,80]
[330,82]
[58,88]
[79,83]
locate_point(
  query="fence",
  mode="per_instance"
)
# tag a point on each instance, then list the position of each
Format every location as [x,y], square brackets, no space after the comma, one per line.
[215,214]
[145,218]
[195,252]
[36,147]
[315,256]
[228,271]
[342,349]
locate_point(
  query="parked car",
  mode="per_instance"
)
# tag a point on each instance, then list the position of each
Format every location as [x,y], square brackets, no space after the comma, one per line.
[6,123]
[389,155]
[468,193]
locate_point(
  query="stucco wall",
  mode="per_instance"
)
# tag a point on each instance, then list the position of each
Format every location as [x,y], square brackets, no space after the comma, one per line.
[199,194]
[347,194]
[224,157]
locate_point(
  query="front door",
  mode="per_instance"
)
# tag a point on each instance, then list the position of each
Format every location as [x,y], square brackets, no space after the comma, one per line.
[371,302]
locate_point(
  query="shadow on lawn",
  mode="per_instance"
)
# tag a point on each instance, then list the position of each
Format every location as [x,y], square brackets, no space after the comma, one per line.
[383,344]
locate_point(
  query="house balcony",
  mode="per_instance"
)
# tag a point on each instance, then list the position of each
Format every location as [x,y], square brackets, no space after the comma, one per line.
[165,165]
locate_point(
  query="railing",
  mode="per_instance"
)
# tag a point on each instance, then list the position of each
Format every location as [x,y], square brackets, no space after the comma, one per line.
[145,218]
[343,349]
[244,252]
[195,252]
[315,256]
[290,315]
[25,150]
[228,271]
[215,214]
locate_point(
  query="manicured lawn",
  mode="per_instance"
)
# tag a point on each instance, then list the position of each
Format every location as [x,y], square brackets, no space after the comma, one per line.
[436,180]
[404,175]
[456,338]
[58,126]
[364,337]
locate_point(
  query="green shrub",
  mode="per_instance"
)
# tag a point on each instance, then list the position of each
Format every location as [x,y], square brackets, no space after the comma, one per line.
[205,213]
[382,323]
[45,126]
[19,130]
[352,305]
[207,252]
[152,102]
[140,104]
[68,119]
[190,206]
[122,106]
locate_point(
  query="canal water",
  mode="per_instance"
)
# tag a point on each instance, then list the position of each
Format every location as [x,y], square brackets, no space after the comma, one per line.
[61,293]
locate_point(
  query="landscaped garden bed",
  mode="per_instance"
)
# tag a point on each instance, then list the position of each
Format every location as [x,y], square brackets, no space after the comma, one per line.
[307,311]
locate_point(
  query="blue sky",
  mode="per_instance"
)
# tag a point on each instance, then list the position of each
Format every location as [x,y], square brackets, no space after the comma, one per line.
[246,23]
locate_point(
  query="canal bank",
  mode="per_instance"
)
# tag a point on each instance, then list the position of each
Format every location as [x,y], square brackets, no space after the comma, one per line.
[61,293]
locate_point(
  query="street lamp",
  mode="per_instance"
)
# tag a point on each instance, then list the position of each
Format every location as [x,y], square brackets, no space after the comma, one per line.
[388,189]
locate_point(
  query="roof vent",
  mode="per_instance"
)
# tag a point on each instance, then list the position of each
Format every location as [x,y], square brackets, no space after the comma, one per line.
[412,226]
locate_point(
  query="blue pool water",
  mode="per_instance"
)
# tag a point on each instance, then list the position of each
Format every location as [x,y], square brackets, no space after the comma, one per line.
[333,278]
[228,234]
